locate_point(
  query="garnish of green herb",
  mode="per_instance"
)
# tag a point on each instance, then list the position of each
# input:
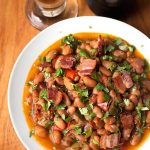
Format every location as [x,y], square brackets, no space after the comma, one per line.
[95,142]
[30,83]
[43,94]
[63,116]
[100,87]
[84,53]
[118,41]
[32,132]
[140,108]
[71,40]
[49,60]
[106,96]
[84,99]
[108,48]
[126,101]
[147,102]
[91,116]
[125,66]
[84,111]
[90,106]
[78,130]
[64,132]
[123,47]
[59,72]
[136,78]
[47,105]
[95,76]
[81,92]
[43,59]
[68,119]
[106,114]
[131,48]
[47,75]
[50,123]
[112,67]
[61,107]
[107,57]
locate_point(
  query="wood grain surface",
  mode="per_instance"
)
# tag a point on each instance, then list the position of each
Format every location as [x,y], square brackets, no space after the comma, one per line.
[16,32]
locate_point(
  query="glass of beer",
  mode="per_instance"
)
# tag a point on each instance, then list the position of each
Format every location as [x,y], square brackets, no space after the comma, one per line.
[42,13]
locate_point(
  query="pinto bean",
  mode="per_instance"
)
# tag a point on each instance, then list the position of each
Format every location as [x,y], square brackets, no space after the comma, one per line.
[59,80]
[66,50]
[136,138]
[113,94]
[55,137]
[62,112]
[110,120]
[98,112]
[38,78]
[40,102]
[108,64]
[40,131]
[49,69]
[105,71]
[35,93]
[134,99]
[148,117]
[71,110]
[111,128]
[66,141]
[66,99]
[146,84]
[76,118]
[52,54]
[86,147]
[57,62]
[104,79]
[95,142]
[130,106]
[78,103]
[136,92]
[126,133]
[120,54]
[60,123]
[58,98]
[99,123]
[102,131]
[94,43]
[93,99]
[100,97]
[68,83]
[50,82]
[89,82]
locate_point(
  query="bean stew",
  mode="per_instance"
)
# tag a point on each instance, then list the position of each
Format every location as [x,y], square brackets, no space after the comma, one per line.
[88,91]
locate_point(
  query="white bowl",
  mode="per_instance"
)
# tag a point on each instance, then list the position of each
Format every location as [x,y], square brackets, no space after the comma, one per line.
[46,38]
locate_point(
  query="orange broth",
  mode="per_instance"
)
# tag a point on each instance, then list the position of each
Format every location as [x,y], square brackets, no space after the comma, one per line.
[45,142]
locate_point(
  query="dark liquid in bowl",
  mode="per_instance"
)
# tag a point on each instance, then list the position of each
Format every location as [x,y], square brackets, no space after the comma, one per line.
[112,8]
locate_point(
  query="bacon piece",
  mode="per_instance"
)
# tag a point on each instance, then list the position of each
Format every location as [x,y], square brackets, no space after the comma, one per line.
[67,62]
[87,66]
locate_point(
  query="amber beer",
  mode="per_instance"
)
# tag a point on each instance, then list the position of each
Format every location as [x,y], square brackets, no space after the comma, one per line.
[51,8]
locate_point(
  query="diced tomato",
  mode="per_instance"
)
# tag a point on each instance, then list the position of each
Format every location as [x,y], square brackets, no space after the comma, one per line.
[56,128]
[54,61]
[71,74]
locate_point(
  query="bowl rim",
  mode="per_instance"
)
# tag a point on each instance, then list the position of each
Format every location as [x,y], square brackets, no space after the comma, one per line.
[32,40]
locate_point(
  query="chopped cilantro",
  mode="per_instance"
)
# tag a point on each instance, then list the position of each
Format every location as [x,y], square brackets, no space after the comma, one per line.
[47,75]
[125,66]
[131,48]
[108,48]
[63,116]
[81,92]
[68,119]
[64,132]
[61,107]
[47,105]
[118,41]
[100,87]
[30,83]
[95,76]
[32,132]
[84,111]
[106,114]
[126,101]
[50,123]
[59,72]
[71,40]
[43,94]
[84,53]
[43,59]
[106,96]
[136,78]
[78,130]
[107,57]
[49,60]
[88,132]
[91,116]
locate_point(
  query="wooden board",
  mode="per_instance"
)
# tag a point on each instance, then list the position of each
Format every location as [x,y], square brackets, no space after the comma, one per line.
[16,32]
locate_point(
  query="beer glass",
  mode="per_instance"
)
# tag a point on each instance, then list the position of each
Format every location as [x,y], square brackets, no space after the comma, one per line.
[42,13]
